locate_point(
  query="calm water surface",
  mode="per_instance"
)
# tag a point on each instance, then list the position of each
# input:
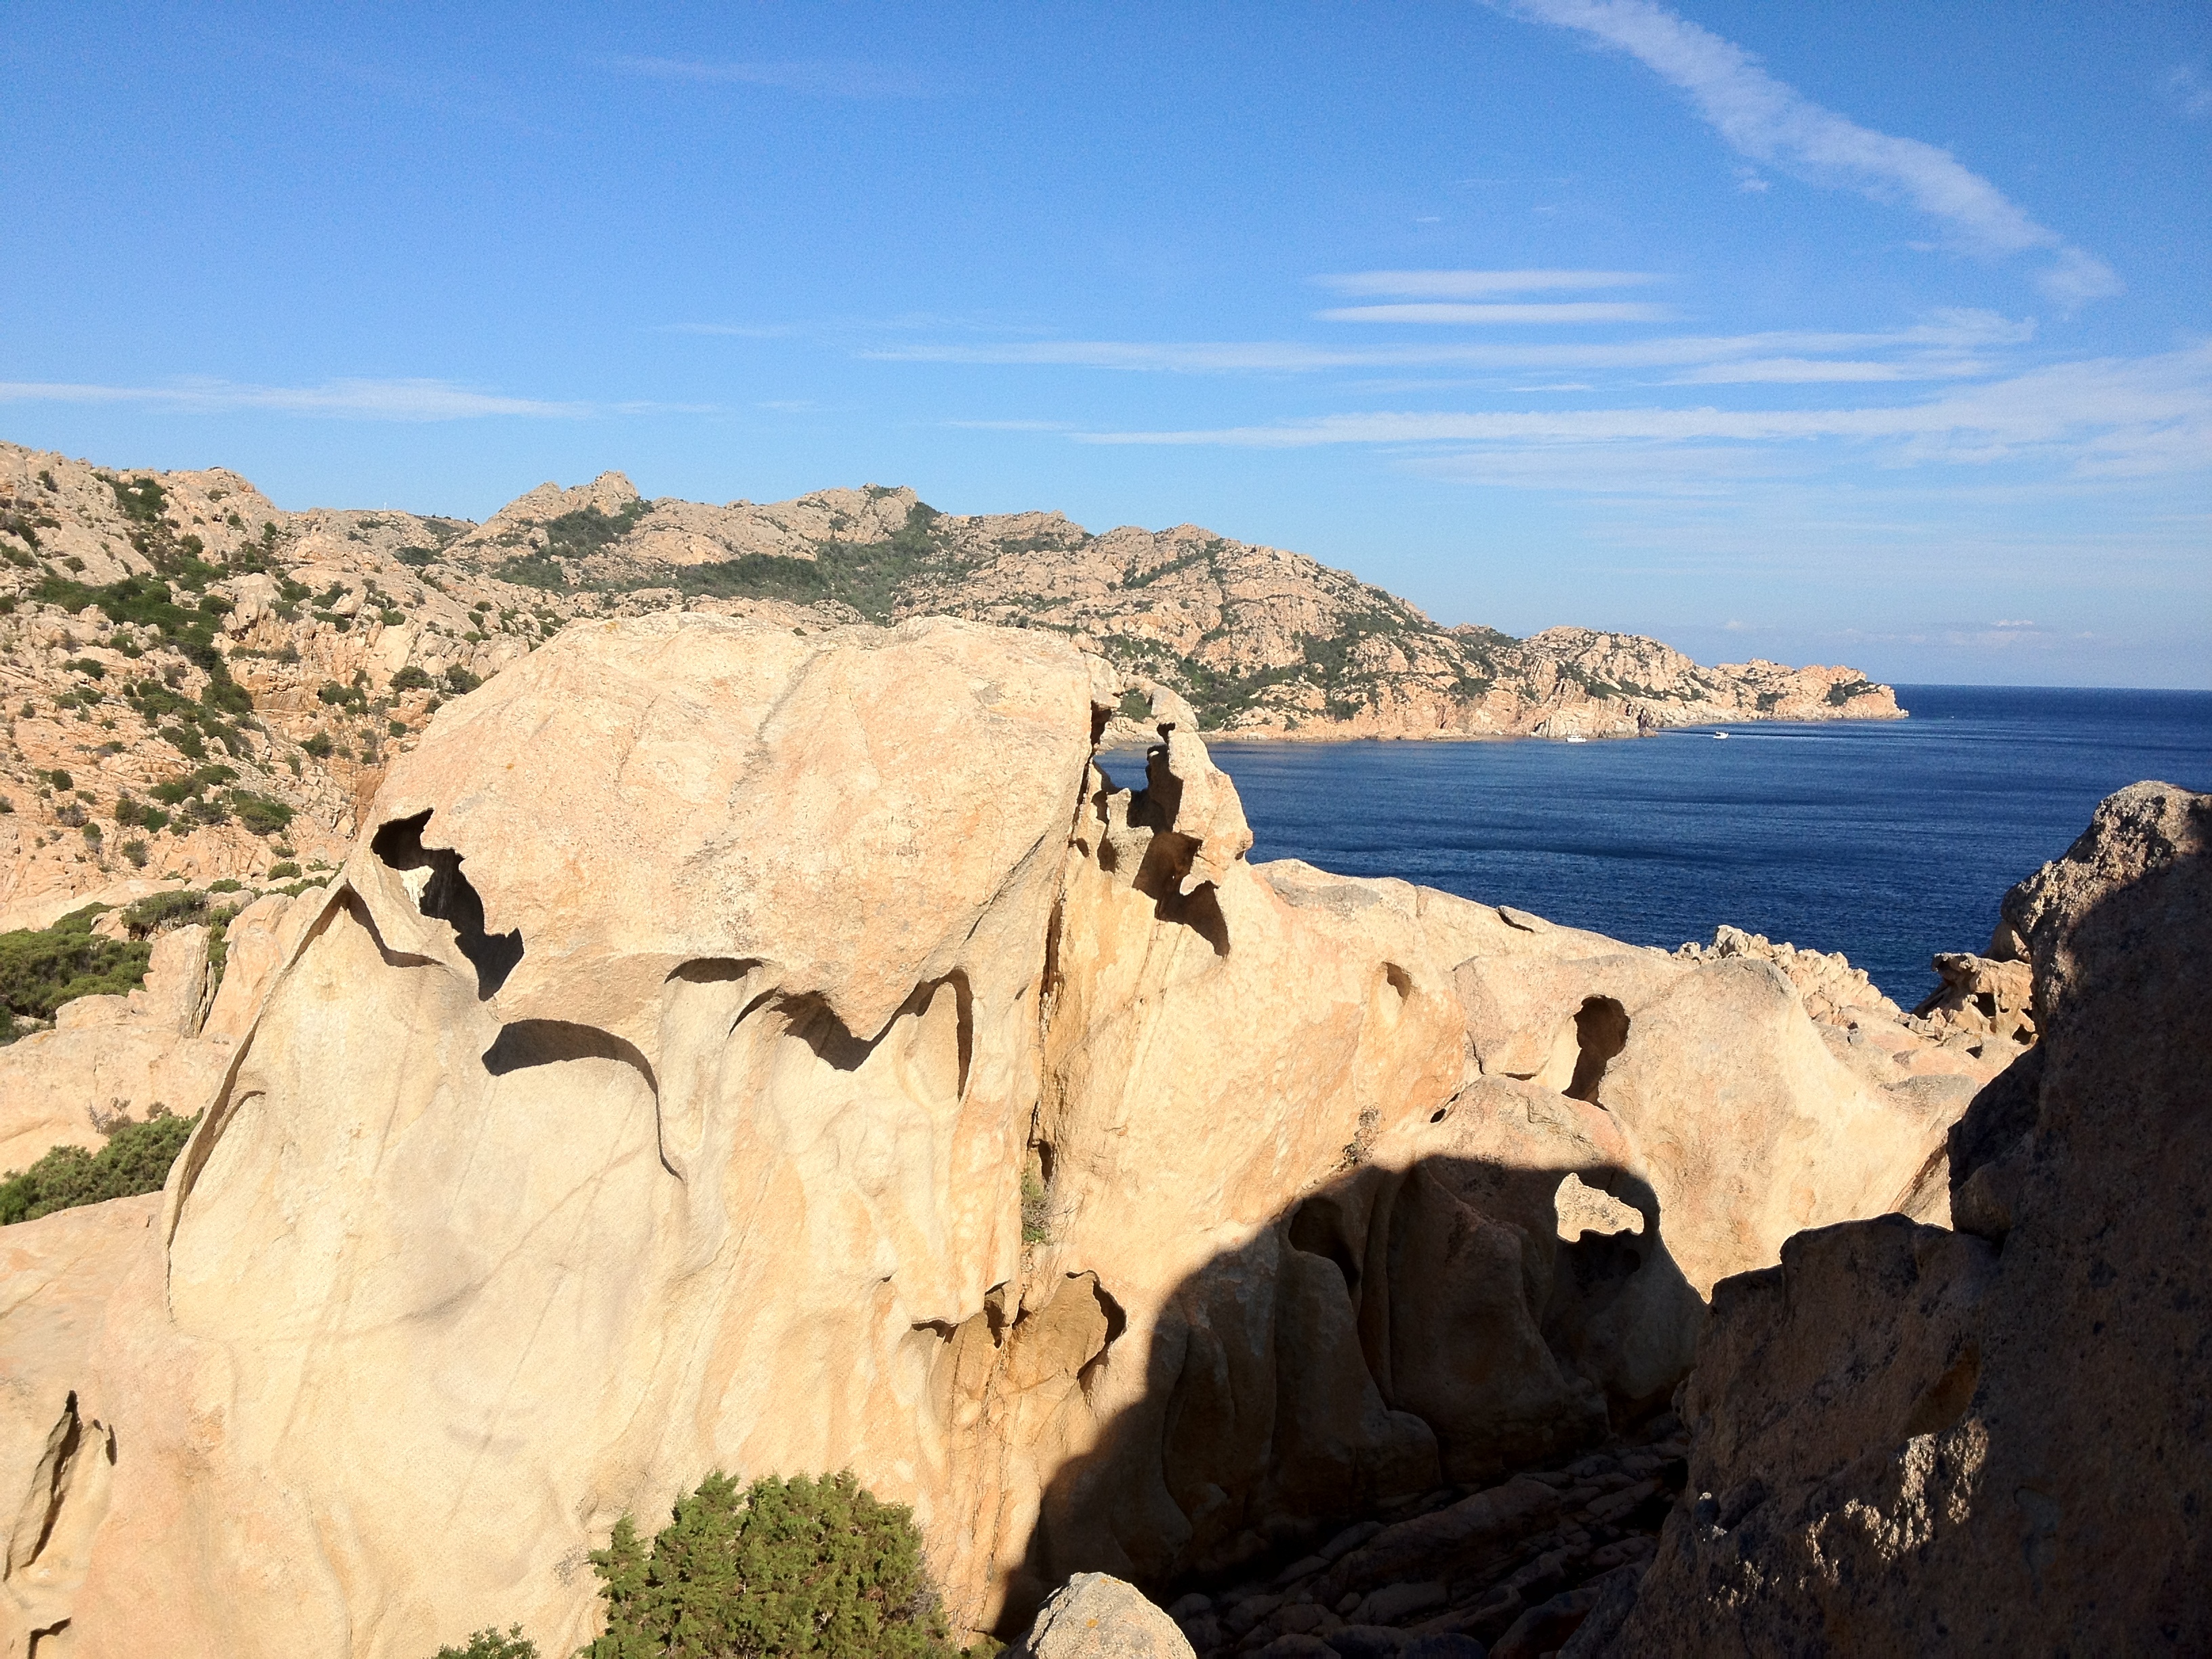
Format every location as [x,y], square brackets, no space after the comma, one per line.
[1887,841]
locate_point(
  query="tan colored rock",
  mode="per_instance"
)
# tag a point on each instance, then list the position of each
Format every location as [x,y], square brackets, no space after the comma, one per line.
[731,1048]
[1096,1616]
[260,940]
[1991,1441]
[1982,999]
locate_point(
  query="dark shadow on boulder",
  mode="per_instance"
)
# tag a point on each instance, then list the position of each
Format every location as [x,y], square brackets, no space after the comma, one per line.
[449,896]
[1396,1335]
[529,1043]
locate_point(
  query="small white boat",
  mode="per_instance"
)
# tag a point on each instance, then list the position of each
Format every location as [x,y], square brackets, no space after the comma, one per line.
[1577,736]
[1721,734]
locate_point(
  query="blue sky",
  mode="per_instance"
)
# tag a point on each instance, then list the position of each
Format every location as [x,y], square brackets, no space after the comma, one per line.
[1877,333]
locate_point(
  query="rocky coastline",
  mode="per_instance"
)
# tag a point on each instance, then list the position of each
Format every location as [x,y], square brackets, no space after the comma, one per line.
[666,1082]
[196,685]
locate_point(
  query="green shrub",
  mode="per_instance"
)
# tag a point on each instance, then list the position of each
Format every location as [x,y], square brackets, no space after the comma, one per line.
[459,681]
[134,852]
[157,912]
[40,968]
[489,1644]
[319,746]
[135,1159]
[784,1568]
[282,869]
[413,677]
[262,815]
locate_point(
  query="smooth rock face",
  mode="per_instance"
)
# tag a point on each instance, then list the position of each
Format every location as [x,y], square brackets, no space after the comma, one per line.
[732,1048]
[1094,1616]
[1908,1440]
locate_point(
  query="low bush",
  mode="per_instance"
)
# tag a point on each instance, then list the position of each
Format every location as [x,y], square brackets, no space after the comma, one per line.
[40,968]
[135,1159]
[157,912]
[783,1567]
[489,1644]
[413,677]
[459,681]
[262,815]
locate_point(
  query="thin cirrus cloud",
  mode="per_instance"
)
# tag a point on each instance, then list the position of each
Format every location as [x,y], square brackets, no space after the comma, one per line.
[356,399]
[1772,123]
[1572,311]
[2113,417]
[814,77]
[1814,371]
[1943,335]
[1474,284]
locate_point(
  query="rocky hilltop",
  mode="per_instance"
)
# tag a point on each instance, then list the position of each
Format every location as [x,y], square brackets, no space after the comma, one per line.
[198,686]
[733,1047]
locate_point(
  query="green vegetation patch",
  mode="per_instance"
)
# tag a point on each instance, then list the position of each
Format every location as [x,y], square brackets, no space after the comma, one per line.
[873,577]
[135,1160]
[1843,690]
[43,968]
[784,1567]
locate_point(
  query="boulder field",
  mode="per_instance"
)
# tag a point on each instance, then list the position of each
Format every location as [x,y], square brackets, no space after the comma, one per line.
[732,1048]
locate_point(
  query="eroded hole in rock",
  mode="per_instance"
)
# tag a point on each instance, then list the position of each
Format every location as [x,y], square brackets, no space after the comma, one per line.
[529,1043]
[1600,1033]
[1317,1227]
[447,897]
[1117,1320]
[713,970]
[1440,1115]
[1399,980]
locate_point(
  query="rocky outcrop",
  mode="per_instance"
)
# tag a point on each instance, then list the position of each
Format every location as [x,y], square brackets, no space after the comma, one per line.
[253,655]
[734,1048]
[165,1046]
[1912,1440]
[1096,1616]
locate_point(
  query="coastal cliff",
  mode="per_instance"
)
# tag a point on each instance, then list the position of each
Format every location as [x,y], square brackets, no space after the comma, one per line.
[726,1047]
[222,684]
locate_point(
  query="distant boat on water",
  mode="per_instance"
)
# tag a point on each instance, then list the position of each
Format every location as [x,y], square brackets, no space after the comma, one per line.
[1720,735]
[1577,736]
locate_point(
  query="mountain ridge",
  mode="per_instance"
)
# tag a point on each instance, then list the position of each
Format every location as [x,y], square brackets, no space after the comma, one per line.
[222,683]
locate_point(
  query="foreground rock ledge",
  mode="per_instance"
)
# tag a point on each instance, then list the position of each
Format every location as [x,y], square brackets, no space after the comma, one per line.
[1991,1441]
[727,1047]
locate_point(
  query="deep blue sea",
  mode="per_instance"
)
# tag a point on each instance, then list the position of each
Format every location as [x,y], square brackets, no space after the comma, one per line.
[1887,841]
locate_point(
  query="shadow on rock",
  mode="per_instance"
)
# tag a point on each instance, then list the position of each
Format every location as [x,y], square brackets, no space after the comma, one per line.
[1390,1350]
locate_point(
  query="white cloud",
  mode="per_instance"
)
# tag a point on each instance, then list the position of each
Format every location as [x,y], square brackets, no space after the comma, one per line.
[2106,418]
[362,399]
[1471,284]
[818,78]
[1949,330]
[1573,311]
[1773,123]
[1809,371]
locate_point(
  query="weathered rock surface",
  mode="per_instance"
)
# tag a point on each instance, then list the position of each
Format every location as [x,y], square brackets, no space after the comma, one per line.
[1096,1616]
[658,1089]
[167,1045]
[1910,1440]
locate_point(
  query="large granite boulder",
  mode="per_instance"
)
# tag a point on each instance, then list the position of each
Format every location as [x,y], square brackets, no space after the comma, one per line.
[1991,1441]
[732,1048]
